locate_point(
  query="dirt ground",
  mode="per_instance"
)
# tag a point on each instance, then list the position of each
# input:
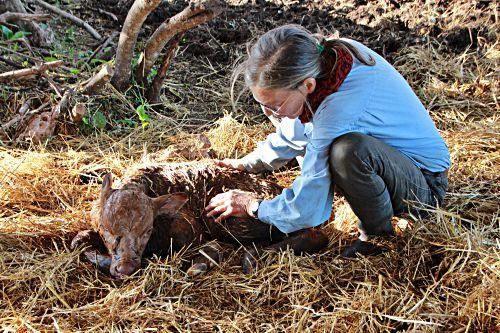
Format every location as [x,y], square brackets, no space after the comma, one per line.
[440,274]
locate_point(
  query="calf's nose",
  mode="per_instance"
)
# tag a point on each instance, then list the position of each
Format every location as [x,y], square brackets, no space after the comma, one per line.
[125,268]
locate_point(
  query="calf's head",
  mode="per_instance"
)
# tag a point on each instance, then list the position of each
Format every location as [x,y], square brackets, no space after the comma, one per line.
[125,223]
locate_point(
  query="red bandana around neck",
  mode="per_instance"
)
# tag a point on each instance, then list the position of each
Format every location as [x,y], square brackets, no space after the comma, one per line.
[339,66]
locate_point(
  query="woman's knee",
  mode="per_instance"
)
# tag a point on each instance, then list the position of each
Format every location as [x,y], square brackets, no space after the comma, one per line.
[347,151]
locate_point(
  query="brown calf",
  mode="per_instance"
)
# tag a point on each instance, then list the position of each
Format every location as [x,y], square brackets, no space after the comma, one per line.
[161,209]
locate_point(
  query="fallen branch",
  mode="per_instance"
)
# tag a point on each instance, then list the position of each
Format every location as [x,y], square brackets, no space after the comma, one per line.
[128,37]
[194,14]
[13,17]
[70,17]
[29,72]
[98,81]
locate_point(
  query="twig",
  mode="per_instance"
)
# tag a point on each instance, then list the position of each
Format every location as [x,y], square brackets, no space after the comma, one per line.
[102,46]
[28,72]
[42,126]
[70,17]
[17,117]
[113,16]
[52,84]
[33,59]
[10,16]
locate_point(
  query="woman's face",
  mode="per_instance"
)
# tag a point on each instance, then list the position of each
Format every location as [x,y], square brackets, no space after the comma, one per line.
[281,103]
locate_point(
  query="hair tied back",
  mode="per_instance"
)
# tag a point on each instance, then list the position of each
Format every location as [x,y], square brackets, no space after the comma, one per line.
[320,48]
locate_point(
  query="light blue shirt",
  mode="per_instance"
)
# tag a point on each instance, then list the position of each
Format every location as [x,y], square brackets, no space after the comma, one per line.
[374,100]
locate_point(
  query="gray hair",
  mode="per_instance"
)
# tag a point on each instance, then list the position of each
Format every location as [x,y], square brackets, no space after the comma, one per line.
[284,57]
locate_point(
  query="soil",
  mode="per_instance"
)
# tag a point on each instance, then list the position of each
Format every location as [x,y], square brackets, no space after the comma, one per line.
[388,27]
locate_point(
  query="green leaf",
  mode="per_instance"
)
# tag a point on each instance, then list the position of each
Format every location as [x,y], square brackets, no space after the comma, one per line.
[98,61]
[49,59]
[19,34]
[74,71]
[99,120]
[6,32]
[141,112]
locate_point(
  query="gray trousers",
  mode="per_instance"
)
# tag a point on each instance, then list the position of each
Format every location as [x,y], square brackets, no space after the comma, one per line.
[379,182]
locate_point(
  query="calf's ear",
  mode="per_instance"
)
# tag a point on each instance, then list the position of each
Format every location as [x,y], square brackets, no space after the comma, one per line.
[106,188]
[170,203]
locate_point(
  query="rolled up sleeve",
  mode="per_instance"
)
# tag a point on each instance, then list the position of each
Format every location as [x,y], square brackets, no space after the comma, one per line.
[288,142]
[308,202]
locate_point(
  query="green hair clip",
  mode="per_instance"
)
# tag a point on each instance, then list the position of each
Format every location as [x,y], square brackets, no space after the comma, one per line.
[320,48]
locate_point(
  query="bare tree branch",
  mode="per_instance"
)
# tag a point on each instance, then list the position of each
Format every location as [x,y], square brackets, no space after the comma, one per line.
[154,90]
[196,13]
[128,37]
[13,17]
[70,17]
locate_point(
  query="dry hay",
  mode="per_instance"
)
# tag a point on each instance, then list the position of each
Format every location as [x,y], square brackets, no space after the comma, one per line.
[440,274]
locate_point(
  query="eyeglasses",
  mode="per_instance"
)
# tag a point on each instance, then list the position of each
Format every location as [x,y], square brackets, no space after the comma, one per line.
[274,112]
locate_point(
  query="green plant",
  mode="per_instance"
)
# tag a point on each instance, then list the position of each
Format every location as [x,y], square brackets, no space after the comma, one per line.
[8,34]
[96,120]
[143,116]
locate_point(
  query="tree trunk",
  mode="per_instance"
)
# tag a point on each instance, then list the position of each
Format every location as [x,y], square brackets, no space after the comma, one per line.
[128,37]
[155,88]
[196,13]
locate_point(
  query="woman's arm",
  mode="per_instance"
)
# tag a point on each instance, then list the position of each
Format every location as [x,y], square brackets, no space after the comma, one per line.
[288,142]
[308,202]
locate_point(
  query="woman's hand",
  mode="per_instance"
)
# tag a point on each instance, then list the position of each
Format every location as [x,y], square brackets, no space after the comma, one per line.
[233,163]
[232,203]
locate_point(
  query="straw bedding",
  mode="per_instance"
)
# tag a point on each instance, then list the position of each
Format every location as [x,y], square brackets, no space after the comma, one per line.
[440,274]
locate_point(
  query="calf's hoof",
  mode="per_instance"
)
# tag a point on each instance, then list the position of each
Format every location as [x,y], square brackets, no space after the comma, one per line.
[249,261]
[88,238]
[197,269]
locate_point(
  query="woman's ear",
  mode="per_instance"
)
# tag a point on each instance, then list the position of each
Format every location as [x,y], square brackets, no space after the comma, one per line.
[309,84]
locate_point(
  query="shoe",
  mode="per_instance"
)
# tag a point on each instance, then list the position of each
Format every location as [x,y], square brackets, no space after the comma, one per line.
[358,247]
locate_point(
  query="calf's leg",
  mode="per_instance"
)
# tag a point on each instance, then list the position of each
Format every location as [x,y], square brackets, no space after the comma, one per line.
[93,241]
[303,241]
[210,256]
